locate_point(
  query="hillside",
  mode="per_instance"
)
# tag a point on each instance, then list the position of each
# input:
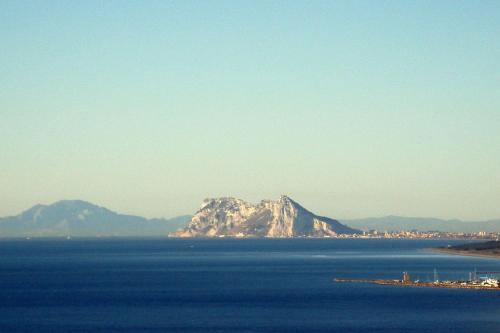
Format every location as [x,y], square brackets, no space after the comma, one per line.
[397,223]
[81,218]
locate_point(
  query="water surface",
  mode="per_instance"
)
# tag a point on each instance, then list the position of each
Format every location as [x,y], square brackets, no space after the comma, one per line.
[229,285]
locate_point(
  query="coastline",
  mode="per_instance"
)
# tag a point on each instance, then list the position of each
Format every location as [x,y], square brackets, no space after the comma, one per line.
[494,255]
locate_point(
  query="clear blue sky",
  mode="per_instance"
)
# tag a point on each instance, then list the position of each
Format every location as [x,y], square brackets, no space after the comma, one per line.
[352,108]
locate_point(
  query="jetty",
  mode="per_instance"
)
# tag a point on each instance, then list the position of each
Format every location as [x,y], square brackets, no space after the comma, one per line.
[479,284]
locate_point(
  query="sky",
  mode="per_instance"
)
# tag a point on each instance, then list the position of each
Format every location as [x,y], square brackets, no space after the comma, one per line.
[352,108]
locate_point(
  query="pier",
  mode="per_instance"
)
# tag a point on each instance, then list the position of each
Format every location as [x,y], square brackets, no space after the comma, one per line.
[486,284]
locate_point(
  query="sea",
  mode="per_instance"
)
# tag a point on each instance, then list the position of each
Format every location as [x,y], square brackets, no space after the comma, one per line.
[237,285]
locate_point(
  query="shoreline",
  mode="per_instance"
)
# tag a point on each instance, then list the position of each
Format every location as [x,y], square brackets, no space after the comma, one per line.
[465,253]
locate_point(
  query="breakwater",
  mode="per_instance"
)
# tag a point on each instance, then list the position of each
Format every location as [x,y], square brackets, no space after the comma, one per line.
[437,284]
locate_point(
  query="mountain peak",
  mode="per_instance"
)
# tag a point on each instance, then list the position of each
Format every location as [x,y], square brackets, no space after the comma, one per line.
[285,199]
[281,218]
[222,202]
[74,204]
[82,218]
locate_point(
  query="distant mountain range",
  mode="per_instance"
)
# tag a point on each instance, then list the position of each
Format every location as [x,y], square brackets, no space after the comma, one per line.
[280,218]
[80,218]
[222,216]
[397,223]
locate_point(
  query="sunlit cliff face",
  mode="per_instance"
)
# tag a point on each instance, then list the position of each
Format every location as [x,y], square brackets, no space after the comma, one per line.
[280,218]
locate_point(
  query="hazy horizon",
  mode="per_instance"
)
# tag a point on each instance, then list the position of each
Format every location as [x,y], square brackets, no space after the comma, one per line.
[354,109]
[256,202]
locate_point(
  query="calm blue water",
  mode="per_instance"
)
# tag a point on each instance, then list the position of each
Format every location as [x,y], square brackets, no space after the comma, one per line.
[224,285]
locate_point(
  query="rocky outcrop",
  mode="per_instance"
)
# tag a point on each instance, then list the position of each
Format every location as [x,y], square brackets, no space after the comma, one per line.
[281,218]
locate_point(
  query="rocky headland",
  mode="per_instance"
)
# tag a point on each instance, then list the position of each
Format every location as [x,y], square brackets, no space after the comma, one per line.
[220,217]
